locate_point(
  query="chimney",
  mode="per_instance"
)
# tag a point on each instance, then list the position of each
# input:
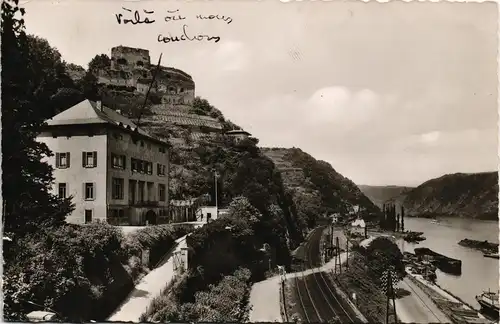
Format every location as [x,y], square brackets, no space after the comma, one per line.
[99,105]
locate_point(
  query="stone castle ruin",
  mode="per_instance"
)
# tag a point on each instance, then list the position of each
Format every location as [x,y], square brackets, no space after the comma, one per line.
[132,68]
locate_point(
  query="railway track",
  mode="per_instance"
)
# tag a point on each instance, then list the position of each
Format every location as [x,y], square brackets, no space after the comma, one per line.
[317,297]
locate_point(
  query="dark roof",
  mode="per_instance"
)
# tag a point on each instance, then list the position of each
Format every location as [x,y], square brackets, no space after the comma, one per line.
[88,112]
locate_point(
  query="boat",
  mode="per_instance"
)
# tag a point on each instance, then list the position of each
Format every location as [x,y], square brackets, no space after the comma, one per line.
[442,262]
[491,255]
[489,303]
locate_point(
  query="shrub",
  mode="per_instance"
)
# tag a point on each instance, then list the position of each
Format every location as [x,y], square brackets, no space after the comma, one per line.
[65,269]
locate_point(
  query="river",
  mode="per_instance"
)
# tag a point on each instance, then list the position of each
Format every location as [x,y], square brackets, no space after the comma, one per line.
[478,273]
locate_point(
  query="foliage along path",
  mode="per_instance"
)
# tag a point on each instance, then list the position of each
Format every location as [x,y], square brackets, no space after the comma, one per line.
[148,288]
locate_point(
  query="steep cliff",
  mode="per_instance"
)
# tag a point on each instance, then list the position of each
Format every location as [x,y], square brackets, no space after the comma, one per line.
[463,195]
[316,187]
[380,194]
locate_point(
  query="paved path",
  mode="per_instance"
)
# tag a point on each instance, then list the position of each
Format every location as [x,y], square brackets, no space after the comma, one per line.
[417,307]
[149,287]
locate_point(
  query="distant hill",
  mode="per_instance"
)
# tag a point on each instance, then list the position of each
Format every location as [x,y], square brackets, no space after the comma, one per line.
[380,194]
[465,195]
[315,185]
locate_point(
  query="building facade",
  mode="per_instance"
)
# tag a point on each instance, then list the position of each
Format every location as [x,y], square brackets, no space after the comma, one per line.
[114,171]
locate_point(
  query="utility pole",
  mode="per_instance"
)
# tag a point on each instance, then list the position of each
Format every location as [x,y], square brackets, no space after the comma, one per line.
[389,278]
[337,257]
[347,254]
[216,202]
[283,279]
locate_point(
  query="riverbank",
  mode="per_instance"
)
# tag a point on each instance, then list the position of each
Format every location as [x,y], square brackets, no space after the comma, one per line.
[454,308]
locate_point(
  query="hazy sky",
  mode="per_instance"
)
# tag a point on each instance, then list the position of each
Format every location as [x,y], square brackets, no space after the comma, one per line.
[393,93]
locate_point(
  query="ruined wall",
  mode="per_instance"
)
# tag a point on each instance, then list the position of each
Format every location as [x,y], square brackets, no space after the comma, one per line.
[128,58]
[132,67]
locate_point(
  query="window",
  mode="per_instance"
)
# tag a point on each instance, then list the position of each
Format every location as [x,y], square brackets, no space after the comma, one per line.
[62,160]
[150,191]
[162,149]
[160,169]
[62,190]
[89,189]
[88,216]
[117,213]
[161,192]
[117,188]
[118,161]
[134,163]
[89,159]
[142,143]
[122,61]
[149,167]
[118,136]
[141,191]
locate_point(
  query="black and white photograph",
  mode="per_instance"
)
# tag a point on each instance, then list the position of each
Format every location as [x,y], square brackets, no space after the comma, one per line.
[250,161]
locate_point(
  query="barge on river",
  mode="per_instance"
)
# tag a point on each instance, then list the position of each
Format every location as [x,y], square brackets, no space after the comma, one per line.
[442,262]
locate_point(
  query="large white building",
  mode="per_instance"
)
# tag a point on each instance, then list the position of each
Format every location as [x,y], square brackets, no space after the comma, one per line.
[114,171]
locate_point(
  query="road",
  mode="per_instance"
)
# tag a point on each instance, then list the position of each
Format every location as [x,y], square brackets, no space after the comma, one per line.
[316,297]
[417,307]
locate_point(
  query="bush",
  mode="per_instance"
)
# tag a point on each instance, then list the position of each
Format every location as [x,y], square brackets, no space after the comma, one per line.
[157,239]
[65,269]
[227,301]
[80,271]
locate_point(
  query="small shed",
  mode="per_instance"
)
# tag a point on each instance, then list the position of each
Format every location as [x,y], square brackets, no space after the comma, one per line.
[238,134]
[358,226]
[207,213]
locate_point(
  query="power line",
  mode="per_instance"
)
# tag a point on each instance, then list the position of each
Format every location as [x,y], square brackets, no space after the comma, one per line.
[149,89]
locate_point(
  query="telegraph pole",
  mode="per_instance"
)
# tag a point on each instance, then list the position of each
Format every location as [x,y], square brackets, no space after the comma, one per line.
[337,256]
[283,279]
[347,252]
[389,278]
[216,203]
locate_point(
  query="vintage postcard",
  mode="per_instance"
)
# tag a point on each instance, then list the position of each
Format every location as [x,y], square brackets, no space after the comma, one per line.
[250,161]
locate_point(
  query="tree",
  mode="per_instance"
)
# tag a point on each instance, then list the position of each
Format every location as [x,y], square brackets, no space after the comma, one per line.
[402,218]
[28,203]
[101,61]
[240,208]
[381,253]
[89,87]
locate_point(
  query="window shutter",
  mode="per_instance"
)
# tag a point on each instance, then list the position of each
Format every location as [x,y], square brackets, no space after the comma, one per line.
[57,160]
[83,159]
[124,158]
[158,168]
[67,190]
[68,159]
[84,192]
[95,158]
[95,190]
